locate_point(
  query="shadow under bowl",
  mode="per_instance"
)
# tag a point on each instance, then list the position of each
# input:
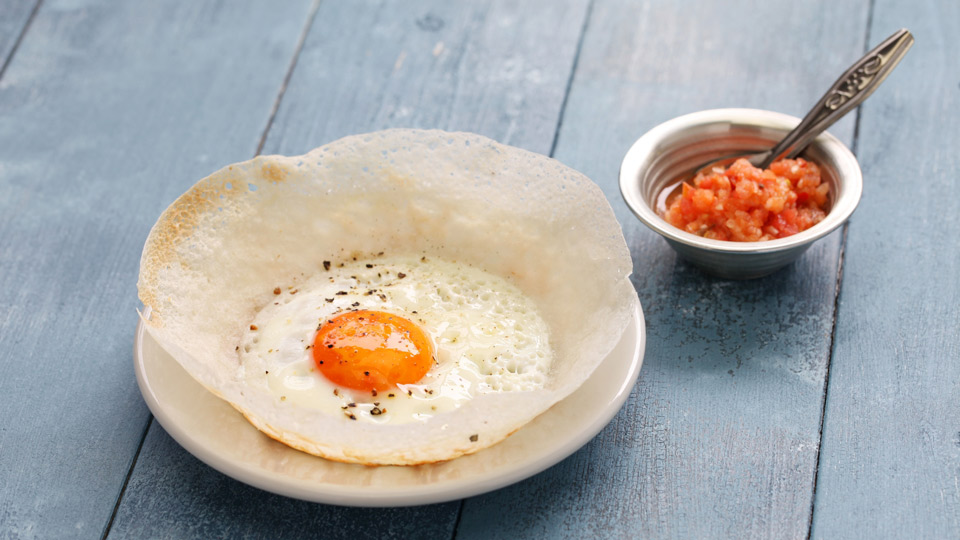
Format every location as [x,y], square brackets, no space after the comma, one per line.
[673,149]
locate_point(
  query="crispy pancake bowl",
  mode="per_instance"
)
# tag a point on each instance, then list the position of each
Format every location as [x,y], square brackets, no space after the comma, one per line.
[216,256]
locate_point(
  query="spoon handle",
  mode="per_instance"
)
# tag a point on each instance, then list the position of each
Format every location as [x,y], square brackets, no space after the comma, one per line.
[855,85]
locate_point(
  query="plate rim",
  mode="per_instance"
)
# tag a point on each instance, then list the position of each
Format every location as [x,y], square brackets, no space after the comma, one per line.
[410,495]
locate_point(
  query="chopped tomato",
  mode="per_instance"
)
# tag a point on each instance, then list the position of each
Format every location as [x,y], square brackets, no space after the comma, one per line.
[746,204]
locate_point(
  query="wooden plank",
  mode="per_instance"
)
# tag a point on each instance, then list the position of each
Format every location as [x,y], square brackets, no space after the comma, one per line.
[495,67]
[14,15]
[720,437]
[107,112]
[489,67]
[891,434]
[174,495]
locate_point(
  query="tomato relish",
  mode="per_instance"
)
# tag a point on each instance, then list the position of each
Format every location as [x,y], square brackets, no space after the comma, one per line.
[746,204]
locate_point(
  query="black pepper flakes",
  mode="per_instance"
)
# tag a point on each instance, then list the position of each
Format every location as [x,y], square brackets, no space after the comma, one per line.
[329,345]
[355,304]
[351,404]
[369,265]
[401,275]
[390,395]
[474,437]
[328,300]
[341,293]
[373,392]
[353,417]
[367,373]
[376,411]
[326,265]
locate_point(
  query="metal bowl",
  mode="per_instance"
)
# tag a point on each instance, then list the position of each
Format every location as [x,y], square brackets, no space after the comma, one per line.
[673,149]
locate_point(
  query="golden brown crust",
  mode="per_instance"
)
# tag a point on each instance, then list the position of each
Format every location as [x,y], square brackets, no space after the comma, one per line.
[178,222]
[273,172]
[174,226]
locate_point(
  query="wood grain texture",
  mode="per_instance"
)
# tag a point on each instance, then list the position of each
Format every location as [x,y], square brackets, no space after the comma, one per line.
[207,504]
[495,67]
[720,437]
[107,112]
[110,109]
[890,462]
[14,15]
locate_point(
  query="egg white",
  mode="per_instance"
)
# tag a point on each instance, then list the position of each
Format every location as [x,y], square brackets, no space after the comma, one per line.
[488,337]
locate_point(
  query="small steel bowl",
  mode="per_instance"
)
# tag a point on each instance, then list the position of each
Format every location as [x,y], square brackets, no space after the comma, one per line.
[673,149]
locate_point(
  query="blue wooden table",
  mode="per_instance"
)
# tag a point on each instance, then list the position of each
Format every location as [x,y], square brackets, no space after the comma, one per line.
[822,401]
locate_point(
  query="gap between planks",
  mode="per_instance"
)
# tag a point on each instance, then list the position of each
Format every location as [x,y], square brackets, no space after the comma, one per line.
[126,480]
[263,137]
[836,304]
[573,72]
[286,79]
[16,43]
[553,148]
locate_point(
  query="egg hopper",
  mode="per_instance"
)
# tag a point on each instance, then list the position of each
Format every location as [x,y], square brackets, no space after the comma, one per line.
[210,429]
[215,254]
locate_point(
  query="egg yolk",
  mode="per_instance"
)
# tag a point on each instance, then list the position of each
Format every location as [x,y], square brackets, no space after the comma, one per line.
[371,350]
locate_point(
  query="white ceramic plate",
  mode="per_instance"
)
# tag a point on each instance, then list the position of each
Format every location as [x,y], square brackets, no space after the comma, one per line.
[217,434]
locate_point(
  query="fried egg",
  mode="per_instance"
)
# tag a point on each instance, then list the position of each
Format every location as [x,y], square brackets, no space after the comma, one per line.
[395,340]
